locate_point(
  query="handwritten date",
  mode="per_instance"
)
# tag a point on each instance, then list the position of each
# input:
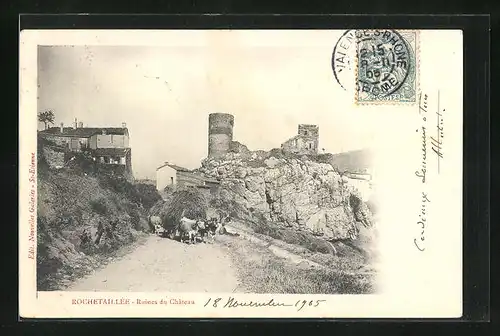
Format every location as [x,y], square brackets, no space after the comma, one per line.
[231,302]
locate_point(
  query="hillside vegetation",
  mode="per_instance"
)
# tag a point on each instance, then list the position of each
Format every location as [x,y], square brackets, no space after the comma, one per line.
[85,215]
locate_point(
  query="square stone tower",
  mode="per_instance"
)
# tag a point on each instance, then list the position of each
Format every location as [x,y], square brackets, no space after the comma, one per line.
[310,134]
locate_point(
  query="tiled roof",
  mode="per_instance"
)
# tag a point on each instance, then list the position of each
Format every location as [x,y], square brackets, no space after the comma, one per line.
[209,180]
[178,168]
[84,132]
[111,151]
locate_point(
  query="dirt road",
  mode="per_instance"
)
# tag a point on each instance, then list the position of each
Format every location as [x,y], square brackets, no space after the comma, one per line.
[161,264]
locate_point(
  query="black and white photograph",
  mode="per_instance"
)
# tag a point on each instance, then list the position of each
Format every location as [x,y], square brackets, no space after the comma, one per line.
[266,210]
[228,167]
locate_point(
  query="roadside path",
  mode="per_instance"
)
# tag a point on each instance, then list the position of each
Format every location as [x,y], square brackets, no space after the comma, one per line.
[161,264]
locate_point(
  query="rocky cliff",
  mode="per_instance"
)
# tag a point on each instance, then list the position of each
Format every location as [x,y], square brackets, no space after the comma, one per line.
[297,192]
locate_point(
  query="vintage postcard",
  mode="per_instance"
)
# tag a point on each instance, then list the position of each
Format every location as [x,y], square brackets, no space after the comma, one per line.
[240,173]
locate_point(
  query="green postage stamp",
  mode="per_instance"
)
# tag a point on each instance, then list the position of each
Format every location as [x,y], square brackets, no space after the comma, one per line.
[386,66]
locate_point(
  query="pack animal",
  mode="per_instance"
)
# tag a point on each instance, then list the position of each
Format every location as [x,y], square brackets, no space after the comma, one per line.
[188,228]
[155,221]
[212,227]
[221,227]
[202,229]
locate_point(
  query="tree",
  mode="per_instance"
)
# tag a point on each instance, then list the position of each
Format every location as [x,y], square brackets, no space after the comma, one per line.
[47,117]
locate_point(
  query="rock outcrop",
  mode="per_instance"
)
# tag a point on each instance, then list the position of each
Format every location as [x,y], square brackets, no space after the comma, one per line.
[292,191]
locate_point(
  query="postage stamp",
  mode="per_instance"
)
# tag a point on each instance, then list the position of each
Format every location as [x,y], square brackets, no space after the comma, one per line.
[386,66]
[229,174]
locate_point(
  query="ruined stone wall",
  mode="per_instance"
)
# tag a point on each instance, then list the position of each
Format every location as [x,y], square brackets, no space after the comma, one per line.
[220,133]
[291,145]
[188,179]
[305,142]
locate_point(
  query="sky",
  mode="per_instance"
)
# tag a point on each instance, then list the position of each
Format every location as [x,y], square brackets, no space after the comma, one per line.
[164,93]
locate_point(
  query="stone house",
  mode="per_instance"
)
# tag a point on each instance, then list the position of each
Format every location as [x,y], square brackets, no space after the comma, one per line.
[170,174]
[107,145]
[78,138]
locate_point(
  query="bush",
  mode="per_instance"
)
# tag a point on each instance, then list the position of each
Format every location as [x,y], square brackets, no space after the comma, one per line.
[119,184]
[157,208]
[141,193]
[80,163]
[99,206]
[135,216]
[147,194]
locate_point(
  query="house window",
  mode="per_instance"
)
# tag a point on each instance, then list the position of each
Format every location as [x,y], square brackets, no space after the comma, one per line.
[111,138]
[171,180]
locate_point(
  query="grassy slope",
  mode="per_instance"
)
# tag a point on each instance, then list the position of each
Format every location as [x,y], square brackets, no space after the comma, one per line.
[260,271]
[71,207]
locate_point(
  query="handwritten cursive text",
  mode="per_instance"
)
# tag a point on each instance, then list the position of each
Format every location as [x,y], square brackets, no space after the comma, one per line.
[422,171]
[231,302]
[437,141]
[421,222]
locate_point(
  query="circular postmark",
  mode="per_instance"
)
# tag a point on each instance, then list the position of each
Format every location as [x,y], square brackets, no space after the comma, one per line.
[343,59]
[376,65]
[384,61]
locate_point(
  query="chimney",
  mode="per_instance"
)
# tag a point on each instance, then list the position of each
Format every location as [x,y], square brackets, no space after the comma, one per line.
[124,125]
[80,124]
[103,131]
[62,128]
[75,124]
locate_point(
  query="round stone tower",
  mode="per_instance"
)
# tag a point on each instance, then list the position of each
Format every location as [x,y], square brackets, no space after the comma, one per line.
[220,133]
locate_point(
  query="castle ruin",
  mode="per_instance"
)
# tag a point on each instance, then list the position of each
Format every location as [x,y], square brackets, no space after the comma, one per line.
[220,133]
[305,142]
[220,137]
